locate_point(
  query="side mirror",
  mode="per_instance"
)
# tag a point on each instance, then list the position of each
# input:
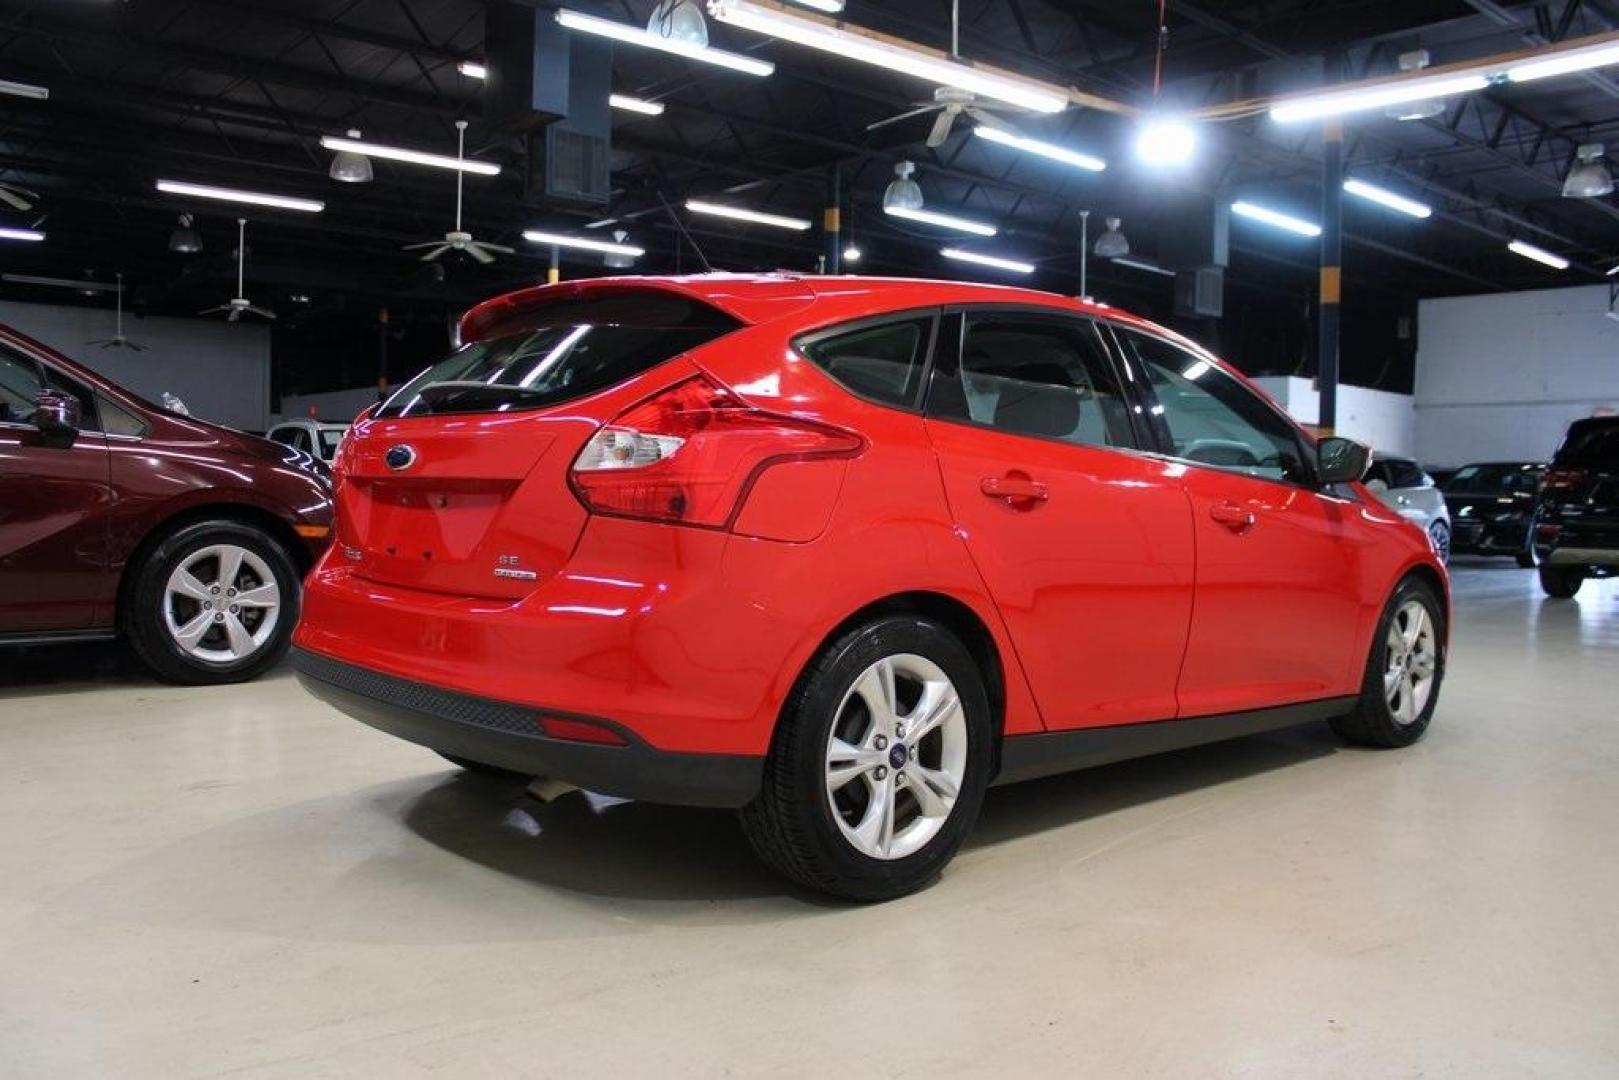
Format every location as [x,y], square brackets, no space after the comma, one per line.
[57,415]
[1341,461]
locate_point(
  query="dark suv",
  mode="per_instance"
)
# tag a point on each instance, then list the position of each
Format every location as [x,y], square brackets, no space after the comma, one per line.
[1577,529]
[117,516]
[1492,508]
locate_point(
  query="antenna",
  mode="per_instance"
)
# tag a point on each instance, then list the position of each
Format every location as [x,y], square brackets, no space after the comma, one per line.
[241,252]
[460,159]
[674,217]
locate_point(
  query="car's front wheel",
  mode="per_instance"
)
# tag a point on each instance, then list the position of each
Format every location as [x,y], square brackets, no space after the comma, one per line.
[879,764]
[1403,672]
[1439,533]
[213,602]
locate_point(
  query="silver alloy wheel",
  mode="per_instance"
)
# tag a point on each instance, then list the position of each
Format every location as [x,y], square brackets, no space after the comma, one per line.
[1440,533]
[1411,663]
[896,757]
[221,604]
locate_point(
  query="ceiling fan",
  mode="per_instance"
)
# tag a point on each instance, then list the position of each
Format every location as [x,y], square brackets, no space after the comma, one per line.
[457,239]
[948,101]
[118,340]
[18,198]
[239,303]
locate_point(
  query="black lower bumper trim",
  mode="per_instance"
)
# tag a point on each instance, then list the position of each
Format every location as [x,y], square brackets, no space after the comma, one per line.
[506,735]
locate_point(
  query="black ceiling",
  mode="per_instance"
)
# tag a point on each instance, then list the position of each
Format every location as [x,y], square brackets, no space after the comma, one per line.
[239,93]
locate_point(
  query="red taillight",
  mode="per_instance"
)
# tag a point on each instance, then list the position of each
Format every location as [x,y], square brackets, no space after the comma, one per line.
[690,454]
[1562,479]
[1548,531]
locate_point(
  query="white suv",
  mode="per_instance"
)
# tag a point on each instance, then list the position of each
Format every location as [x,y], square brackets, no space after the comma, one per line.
[1405,487]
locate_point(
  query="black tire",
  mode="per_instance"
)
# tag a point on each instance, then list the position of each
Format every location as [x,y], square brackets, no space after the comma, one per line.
[493,772]
[1439,534]
[1526,558]
[1561,582]
[791,824]
[144,613]
[1372,722]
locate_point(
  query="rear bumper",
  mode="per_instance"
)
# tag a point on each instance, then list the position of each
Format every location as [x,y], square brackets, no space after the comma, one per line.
[1509,537]
[1568,555]
[508,735]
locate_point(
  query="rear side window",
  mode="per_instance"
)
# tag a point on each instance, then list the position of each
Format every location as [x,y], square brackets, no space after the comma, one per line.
[883,363]
[1046,377]
[1591,442]
[560,352]
[1405,474]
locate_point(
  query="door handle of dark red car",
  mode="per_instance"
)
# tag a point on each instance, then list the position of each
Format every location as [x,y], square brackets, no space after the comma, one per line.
[1014,488]
[1232,516]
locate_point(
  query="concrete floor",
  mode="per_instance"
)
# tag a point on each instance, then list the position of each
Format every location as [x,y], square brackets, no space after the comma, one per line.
[196,882]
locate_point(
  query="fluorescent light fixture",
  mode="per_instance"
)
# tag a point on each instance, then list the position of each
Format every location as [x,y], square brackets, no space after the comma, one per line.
[1142,264]
[472,69]
[635,105]
[535,236]
[22,234]
[634,35]
[1373,193]
[208,191]
[1044,149]
[1566,62]
[1279,220]
[944,221]
[1376,96]
[414,157]
[1166,140]
[702,206]
[22,89]
[1540,255]
[831,7]
[996,261]
[852,44]
[852,253]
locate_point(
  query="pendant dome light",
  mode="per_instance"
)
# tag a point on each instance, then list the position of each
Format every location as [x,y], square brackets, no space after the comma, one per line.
[185,240]
[350,167]
[902,192]
[679,20]
[1590,177]
[1112,243]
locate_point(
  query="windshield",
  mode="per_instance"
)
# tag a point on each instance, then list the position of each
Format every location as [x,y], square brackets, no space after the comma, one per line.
[1505,479]
[567,350]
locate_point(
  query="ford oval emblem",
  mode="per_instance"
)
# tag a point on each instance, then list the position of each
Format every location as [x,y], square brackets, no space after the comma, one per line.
[400,457]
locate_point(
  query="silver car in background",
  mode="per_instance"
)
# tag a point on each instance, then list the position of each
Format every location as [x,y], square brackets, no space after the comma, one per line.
[1403,485]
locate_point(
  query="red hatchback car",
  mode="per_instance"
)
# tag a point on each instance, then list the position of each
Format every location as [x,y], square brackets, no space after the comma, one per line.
[118,517]
[843,552]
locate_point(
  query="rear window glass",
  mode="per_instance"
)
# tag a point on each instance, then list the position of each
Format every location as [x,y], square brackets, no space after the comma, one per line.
[1502,479]
[883,362]
[560,352]
[1591,442]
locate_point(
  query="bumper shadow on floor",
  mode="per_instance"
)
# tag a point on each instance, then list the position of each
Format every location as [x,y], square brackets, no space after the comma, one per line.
[639,851]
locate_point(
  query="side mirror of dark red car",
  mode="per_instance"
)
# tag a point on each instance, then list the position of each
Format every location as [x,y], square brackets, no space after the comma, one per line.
[1341,461]
[57,415]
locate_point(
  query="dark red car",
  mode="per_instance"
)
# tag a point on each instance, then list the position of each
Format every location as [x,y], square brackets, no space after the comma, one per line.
[844,551]
[118,517]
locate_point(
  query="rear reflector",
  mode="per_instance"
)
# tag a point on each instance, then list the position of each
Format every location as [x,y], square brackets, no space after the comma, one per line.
[1547,530]
[1562,479]
[690,454]
[562,727]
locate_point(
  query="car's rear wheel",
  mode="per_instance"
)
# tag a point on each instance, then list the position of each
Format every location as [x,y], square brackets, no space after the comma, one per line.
[1526,557]
[879,764]
[1403,672]
[214,602]
[1439,532]
[1561,582]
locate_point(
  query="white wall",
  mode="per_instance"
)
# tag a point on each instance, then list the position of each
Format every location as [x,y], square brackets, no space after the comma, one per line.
[1385,421]
[332,406]
[1499,377]
[220,370]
